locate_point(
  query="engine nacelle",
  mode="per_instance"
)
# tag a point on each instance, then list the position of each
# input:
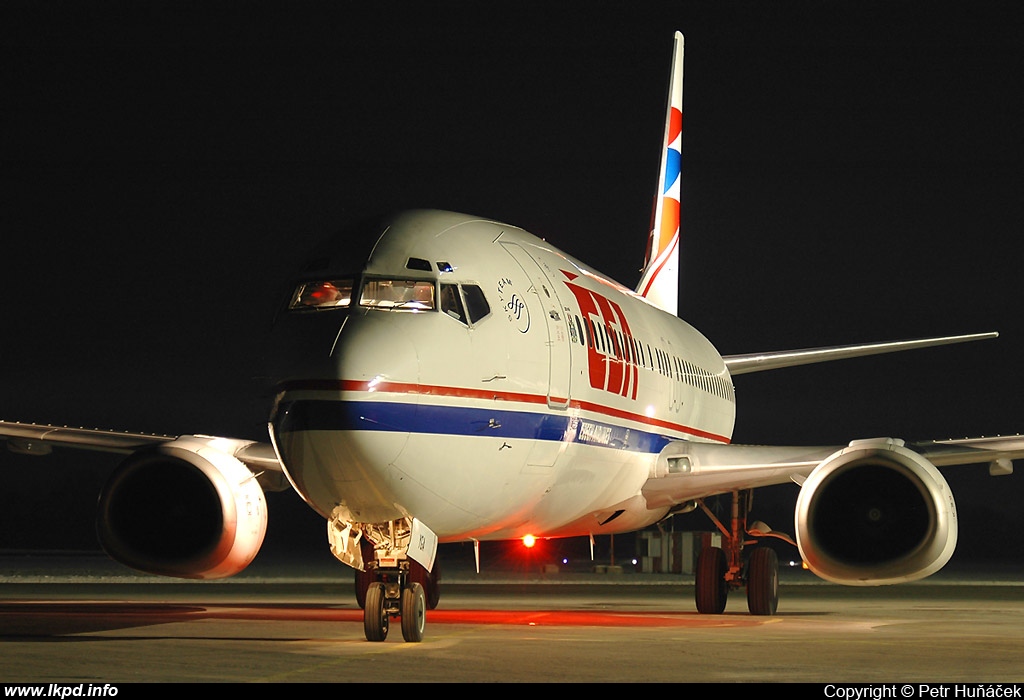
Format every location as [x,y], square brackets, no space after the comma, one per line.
[186,508]
[875,513]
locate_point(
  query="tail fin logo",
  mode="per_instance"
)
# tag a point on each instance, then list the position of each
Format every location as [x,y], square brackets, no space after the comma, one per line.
[665,230]
[659,283]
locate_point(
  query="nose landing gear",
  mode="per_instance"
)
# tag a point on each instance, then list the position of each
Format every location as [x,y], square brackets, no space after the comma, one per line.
[395,572]
[394,598]
[375,613]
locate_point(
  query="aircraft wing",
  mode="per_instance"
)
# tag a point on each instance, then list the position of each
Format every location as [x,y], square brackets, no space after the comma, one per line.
[998,452]
[35,439]
[758,362]
[688,470]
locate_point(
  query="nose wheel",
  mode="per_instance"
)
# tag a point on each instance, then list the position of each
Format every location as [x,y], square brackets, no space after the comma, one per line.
[375,613]
[390,599]
[393,578]
[414,606]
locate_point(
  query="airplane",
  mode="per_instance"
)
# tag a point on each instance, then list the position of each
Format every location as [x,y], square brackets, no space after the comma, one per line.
[470,382]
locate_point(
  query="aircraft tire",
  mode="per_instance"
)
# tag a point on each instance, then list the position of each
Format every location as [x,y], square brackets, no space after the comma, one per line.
[430,580]
[763,581]
[414,606]
[375,615]
[712,590]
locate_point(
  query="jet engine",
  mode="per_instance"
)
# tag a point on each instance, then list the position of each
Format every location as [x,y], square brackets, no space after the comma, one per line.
[875,513]
[186,508]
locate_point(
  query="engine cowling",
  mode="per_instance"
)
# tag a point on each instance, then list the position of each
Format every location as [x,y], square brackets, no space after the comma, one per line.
[186,508]
[875,513]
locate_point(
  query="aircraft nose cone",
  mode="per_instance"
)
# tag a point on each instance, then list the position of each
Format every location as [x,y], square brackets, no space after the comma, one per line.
[375,349]
[338,433]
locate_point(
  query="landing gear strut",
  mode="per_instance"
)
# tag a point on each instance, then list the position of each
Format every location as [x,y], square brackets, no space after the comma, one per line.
[392,578]
[721,569]
[429,581]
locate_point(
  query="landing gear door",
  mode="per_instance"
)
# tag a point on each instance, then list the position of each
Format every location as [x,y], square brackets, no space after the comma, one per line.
[554,323]
[422,545]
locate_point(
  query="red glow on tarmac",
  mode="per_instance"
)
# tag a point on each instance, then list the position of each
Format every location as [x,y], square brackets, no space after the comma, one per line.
[529,618]
[91,616]
[580,618]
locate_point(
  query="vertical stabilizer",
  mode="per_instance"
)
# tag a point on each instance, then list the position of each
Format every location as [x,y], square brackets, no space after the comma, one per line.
[659,283]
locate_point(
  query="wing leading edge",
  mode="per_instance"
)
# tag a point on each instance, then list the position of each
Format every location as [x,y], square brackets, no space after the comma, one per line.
[35,439]
[688,470]
[759,362]
[870,513]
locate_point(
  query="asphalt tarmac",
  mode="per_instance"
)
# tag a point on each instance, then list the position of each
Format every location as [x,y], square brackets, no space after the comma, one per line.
[86,620]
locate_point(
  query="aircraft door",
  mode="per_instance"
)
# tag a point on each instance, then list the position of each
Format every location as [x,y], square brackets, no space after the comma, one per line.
[554,323]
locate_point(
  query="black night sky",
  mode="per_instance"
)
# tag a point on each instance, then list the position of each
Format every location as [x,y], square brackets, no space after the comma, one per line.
[851,172]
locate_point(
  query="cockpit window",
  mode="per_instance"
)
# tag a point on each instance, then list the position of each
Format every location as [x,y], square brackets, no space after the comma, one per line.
[476,302]
[458,299]
[322,294]
[451,302]
[413,295]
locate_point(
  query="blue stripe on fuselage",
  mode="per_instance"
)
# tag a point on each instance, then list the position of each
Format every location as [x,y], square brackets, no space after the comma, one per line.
[311,414]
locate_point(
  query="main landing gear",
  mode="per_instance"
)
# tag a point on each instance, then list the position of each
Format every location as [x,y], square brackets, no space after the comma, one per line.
[721,569]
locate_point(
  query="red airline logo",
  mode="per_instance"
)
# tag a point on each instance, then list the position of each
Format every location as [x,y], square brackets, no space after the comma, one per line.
[611,349]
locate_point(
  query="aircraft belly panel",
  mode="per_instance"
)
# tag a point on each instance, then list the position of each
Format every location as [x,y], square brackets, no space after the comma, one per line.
[589,479]
[476,486]
[467,484]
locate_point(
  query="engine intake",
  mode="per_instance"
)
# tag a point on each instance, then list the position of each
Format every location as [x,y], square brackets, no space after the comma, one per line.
[875,513]
[185,509]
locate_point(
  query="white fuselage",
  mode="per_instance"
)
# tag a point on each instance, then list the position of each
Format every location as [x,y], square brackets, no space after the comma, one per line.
[544,416]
